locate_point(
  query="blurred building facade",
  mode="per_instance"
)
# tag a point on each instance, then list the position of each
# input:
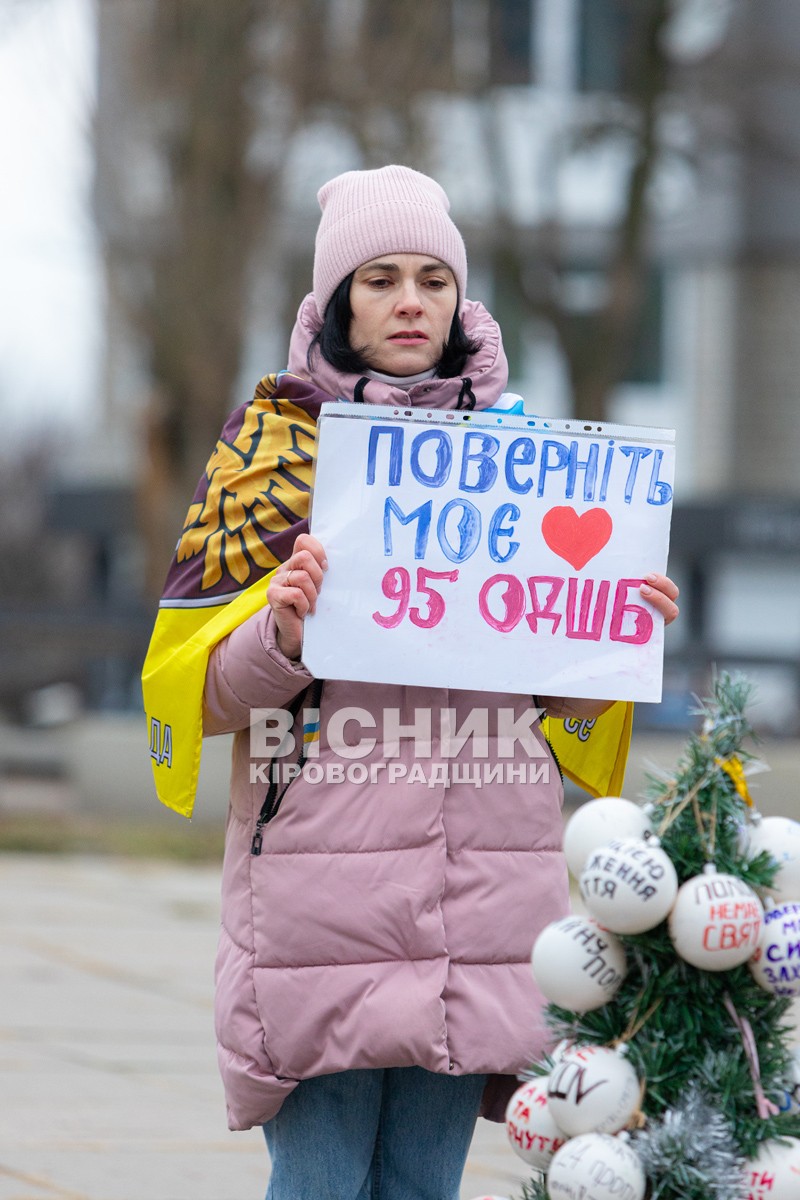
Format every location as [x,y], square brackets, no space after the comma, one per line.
[515,86]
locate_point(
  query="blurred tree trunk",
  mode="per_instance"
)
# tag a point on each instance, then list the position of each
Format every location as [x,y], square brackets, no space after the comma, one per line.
[205,79]
[193,65]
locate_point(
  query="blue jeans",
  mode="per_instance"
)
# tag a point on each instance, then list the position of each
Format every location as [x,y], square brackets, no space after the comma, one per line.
[396,1134]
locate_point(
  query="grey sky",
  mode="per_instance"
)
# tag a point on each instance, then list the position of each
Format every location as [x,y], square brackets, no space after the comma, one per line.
[49,278]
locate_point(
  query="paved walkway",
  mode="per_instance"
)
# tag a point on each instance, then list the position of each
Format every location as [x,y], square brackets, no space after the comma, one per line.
[110,1088]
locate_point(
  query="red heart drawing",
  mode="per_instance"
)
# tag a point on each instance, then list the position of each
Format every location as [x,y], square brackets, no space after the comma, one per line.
[576,538]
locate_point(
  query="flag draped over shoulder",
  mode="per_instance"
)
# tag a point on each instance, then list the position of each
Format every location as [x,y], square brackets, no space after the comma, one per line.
[593,753]
[249,507]
[251,503]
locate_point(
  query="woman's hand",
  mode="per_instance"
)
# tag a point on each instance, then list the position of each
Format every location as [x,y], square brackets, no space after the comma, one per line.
[293,591]
[661,592]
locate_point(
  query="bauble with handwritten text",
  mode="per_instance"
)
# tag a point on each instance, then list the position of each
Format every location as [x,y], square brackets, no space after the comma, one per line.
[595,1166]
[775,966]
[629,884]
[532,1132]
[716,921]
[593,1089]
[577,964]
[774,1173]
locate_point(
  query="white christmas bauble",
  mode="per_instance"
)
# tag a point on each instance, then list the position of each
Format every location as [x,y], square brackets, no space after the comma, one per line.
[592,1090]
[595,1166]
[531,1130]
[780,836]
[577,964]
[715,922]
[595,822]
[629,885]
[775,966]
[774,1174]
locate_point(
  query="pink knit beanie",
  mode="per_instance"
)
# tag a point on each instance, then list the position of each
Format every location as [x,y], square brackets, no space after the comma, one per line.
[393,210]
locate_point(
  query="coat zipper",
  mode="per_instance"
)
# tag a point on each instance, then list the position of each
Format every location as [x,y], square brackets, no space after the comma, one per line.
[273,800]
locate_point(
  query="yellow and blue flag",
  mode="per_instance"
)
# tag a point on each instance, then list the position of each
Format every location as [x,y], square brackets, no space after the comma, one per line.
[249,507]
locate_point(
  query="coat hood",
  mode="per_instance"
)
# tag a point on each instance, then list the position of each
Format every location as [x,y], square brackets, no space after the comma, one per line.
[485,375]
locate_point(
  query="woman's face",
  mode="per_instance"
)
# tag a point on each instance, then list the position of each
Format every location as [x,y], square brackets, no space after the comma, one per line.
[403,306]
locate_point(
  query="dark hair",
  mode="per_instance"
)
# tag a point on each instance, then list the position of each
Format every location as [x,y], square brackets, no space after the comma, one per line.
[333,340]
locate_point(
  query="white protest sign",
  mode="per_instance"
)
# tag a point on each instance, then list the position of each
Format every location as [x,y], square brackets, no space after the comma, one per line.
[489,552]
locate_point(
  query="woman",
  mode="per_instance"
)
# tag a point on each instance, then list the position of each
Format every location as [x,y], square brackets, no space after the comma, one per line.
[374,984]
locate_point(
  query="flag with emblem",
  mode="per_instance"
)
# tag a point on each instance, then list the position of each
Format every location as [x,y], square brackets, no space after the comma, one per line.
[250,505]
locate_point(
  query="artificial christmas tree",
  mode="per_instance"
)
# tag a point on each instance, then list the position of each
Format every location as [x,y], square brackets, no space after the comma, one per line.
[697,1014]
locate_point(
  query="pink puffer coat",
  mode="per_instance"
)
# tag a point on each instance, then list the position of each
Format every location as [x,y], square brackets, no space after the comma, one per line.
[383,923]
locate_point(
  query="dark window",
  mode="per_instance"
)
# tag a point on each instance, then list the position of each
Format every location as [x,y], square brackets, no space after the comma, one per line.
[510,41]
[607,36]
[647,357]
